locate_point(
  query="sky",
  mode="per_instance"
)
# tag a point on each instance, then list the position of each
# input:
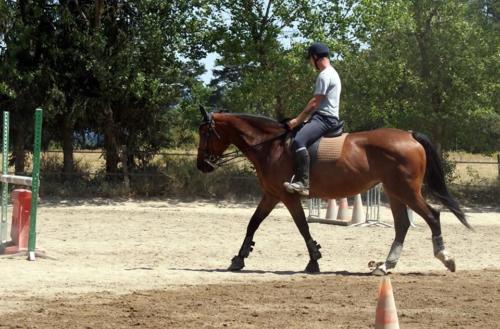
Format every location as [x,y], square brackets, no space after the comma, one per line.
[209,63]
[286,40]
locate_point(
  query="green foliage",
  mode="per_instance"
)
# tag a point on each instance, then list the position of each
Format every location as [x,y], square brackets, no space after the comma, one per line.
[424,65]
[116,68]
[129,71]
[154,61]
[259,74]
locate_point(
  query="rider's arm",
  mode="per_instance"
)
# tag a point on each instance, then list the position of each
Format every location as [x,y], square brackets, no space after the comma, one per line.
[311,106]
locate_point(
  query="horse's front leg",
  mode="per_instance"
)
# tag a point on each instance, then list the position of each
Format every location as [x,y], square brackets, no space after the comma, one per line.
[401,225]
[266,205]
[294,205]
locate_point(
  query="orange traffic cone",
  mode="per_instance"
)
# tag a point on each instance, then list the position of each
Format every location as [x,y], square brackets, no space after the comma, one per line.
[331,209]
[357,210]
[343,213]
[386,315]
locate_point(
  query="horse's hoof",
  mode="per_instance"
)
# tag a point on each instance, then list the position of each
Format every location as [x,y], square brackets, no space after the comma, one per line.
[445,258]
[450,265]
[372,265]
[379,272]
[380,269]
[237,263]
[312,267]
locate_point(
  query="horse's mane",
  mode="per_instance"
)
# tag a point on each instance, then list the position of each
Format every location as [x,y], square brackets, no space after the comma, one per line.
[254,129]
[258,121]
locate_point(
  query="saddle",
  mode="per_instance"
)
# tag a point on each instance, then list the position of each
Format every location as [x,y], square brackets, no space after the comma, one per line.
[328,147]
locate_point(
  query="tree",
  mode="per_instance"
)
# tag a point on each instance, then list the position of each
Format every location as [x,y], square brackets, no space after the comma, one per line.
[146,54]
[73,83]
[27,36]
[115,67]
[259,73]
[421,65]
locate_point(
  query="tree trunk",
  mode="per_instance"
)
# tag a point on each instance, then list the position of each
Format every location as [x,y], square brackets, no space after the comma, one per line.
[124,160]
[279,109]
[423,21]
[437,136]
[498,164]
[67,144]
[110,142]
[99,7]
[19,152]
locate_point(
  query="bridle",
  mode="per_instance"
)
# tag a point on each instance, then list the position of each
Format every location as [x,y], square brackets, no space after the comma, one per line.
[211,159]
[219,160]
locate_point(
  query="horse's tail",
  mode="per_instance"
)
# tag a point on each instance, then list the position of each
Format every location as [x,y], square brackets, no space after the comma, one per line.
[434,178]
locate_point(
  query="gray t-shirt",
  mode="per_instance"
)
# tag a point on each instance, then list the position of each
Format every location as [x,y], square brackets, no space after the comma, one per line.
[328,84]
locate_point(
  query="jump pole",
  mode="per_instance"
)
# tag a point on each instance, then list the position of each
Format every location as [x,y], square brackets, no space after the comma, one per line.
[33,181]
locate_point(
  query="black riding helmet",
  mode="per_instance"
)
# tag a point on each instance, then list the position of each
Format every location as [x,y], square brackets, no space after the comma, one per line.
[318,49]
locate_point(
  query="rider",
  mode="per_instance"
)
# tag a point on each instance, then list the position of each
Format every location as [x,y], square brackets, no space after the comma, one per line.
[323,110]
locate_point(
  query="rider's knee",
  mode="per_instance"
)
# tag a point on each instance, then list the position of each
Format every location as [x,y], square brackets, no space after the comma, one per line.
[297,144]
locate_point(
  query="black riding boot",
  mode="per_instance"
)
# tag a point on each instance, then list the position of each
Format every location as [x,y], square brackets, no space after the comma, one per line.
[301,181]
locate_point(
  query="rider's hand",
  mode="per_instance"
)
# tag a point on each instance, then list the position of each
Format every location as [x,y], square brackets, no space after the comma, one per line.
[293,123]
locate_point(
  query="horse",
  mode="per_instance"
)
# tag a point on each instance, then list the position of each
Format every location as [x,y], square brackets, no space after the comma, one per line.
[401,160]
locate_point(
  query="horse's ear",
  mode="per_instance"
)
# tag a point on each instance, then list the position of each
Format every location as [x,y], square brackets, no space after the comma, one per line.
[204,114]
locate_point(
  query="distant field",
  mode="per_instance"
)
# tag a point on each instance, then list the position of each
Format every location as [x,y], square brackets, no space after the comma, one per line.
[475,173]
[465,173]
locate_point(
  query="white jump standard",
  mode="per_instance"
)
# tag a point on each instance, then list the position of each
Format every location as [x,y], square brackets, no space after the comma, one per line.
[372,217]
[373,208]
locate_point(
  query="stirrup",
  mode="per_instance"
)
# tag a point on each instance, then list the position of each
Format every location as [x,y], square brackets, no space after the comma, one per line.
[287,185]
[292,188]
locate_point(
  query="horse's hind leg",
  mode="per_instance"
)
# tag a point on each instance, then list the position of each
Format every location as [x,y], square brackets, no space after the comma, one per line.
[401,225]
[292,202]
[266,205]
[408,192]
[431,217]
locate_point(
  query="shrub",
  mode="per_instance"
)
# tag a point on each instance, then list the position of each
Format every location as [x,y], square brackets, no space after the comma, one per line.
[172,176]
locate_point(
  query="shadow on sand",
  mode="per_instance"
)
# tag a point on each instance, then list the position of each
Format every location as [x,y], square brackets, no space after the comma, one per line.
[341,273]
[148,202]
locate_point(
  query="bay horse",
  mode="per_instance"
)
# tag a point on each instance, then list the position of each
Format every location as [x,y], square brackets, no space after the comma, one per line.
[402,161]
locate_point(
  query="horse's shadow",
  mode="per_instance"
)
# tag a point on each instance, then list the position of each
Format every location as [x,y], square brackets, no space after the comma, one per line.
[340,273]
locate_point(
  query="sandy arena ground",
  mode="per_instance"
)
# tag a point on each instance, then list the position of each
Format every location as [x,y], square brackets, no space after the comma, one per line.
[161,264]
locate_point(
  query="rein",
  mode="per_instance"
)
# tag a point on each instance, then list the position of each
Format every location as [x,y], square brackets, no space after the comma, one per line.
[230,156]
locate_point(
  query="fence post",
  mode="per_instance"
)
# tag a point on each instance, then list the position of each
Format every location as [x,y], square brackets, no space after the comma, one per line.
[36,183]
[5,171]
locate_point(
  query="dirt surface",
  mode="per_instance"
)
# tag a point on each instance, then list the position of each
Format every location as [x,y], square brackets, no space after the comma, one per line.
[161,264]
[431,300]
